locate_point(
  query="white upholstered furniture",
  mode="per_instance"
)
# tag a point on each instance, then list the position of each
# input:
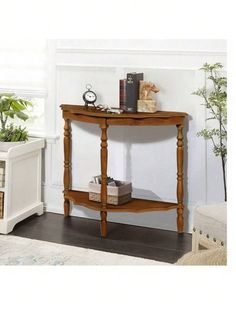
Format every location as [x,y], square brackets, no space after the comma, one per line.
[210,226]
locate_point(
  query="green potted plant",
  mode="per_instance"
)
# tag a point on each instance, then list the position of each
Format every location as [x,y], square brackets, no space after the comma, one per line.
[12,107]
[215,101]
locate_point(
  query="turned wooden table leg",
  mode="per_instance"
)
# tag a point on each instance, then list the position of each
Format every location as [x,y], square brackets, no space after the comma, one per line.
[180,193]
[103,223]
[67,165]
[103,213]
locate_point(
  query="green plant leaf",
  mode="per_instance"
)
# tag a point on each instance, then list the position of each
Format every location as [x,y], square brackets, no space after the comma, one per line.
[13,134]
[21,115]
[216,104]
[10,113]
[17,106]
[12,106]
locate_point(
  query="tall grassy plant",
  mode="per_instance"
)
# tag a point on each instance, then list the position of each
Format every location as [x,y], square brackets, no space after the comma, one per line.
[215,101]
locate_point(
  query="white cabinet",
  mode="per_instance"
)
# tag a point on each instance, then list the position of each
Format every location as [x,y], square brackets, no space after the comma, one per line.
[20,183]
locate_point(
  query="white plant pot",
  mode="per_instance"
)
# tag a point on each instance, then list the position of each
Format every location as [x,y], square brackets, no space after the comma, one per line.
[5,146]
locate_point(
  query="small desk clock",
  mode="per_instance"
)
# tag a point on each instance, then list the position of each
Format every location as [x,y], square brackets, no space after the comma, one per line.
[89,96]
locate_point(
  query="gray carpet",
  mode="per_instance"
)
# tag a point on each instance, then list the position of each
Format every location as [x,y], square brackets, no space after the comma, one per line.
[23,251]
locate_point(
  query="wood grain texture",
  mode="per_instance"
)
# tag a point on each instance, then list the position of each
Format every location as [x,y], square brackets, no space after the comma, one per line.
[180,187]
[146,121]
[92,112]
[114,120]
[136,205]
[103,160]
[67,165]
[92,115]
[103,226]
[103,119]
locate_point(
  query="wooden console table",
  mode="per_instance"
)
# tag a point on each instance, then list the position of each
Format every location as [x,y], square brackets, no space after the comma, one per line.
[91,115]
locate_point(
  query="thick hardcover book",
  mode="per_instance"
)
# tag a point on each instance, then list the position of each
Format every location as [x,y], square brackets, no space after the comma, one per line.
[123,95]
[132,91]
[1,204]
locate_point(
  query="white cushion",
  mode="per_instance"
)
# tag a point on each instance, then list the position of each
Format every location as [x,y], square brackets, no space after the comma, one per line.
[212,220]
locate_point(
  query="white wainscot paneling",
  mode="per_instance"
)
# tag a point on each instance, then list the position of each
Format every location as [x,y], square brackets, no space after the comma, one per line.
[175,59]
[144,155]
[75,78]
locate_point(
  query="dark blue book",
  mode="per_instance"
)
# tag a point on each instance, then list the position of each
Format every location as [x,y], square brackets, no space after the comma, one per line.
[132,91]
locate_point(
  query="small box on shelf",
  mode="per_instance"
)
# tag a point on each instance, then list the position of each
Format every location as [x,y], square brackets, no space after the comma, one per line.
[116,195]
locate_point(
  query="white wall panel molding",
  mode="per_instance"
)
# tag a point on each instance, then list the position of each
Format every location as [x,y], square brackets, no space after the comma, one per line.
[39,93]
[177,57]
[124,66]
[50,106]
[50,138]
[141,52]
[145,44]
[148,61]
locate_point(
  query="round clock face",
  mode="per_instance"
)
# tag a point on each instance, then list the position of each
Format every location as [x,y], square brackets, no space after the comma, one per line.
[90,97]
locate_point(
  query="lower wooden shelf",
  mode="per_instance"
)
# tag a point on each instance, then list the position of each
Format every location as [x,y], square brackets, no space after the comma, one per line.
[136,205]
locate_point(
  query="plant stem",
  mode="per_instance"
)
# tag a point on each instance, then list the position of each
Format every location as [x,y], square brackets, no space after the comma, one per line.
[224,177]
[3,121]
[221,126]
[221,153]
[213,142]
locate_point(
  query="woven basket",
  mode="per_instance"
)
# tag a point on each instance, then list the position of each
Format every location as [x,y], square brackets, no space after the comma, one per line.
[116,195]
[111,199]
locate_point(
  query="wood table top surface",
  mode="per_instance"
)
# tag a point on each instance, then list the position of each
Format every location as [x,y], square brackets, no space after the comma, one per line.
[93,112]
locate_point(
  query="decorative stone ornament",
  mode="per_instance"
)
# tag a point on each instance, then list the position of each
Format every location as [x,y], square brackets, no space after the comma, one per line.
[146,103]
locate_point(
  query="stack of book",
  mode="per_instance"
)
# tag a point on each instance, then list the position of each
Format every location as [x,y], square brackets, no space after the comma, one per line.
[129,92]
[2,174]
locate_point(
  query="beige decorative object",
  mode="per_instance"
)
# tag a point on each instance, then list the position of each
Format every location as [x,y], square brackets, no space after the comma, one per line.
[147,106]
[146,103]
[145,89]
[116,195]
